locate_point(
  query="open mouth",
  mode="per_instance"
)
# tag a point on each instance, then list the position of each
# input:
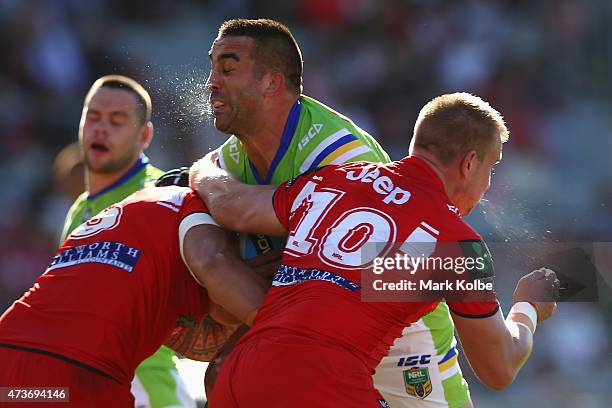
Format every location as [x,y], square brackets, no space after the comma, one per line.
[217,105]
[99,147]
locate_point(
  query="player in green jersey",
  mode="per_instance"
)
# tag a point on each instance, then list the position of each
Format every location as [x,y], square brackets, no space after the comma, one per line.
[114,131]
[277,133]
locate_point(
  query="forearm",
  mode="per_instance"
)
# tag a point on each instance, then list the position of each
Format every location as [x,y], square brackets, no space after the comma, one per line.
[517,345]
[496,348]
[231,284]
[231,203]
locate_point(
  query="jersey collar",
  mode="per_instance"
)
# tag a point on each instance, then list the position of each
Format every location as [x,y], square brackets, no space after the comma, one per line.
[289,130]
[142,161]
[425,170]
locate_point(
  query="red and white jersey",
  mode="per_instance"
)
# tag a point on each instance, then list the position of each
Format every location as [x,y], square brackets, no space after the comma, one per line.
[114,291]
[332,216]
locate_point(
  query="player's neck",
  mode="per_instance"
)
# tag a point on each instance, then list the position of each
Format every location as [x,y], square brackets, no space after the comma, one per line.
[262,144]
[449,179]
[96,182]
[433,163]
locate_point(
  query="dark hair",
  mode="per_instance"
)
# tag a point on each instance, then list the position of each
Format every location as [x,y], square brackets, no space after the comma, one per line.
[454,124]
[275,47]
[144,105]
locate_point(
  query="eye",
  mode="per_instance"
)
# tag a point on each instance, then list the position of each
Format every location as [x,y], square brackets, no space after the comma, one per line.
[227,70]
[118,119]
[92,116]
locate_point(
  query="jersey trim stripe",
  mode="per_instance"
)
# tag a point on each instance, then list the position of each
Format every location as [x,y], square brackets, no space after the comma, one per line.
[340,151]
[451,353]
[189,222]
[289,130]
[476,316]
[307,164]
[142,161]
[331,149]
[447,364]
[351,154]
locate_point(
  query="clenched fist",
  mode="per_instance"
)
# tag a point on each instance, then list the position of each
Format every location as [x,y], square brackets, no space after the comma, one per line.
[541,289]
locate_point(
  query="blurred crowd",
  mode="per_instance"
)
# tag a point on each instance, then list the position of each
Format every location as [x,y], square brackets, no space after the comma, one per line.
[544,65]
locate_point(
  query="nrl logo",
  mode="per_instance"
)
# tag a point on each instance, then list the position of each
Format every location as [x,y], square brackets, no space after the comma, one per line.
[417,381]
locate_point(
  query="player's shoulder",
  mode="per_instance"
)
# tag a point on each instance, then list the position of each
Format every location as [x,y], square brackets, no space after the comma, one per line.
[325,137]
[231,153]
[79,201]
[172,195]
[455,228]
[323,121]
[152,173]
[74,212]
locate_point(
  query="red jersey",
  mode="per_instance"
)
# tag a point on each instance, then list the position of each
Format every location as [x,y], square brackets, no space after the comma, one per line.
[114,291]
[339,218]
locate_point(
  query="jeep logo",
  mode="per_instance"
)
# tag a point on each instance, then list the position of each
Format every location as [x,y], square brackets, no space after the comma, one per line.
[381,184]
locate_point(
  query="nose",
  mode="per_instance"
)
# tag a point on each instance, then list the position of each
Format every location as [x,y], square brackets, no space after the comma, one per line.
[100,128]
[212,83]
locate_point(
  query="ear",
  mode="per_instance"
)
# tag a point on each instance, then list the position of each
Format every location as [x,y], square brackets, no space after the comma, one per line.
[147,135]
[273,82]
[468,164]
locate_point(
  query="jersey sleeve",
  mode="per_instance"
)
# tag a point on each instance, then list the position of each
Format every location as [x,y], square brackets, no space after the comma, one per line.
[231,157]
[343,146]
[475,303]
[193,213]
[74,214]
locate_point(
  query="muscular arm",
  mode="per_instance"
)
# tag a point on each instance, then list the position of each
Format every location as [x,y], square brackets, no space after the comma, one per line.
[209,254]
[496,348]
[234,205]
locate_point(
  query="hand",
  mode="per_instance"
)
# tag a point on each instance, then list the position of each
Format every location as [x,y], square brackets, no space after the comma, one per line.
[541,289]
[174,177]
[204,168]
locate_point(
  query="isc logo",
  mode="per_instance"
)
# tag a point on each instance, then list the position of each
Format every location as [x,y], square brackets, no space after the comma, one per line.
[409,361]
[314,130]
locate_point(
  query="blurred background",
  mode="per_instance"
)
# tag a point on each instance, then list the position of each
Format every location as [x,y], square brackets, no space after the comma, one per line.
[544,65]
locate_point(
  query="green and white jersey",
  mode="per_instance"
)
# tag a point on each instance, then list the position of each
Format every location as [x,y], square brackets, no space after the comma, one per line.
[142,174]
[156,377]
[316,135]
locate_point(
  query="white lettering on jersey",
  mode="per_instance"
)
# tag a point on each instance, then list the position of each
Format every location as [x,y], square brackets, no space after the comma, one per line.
[314,130]
[452,208]
[106,220]
[353,239]
[234,153]
[381,184]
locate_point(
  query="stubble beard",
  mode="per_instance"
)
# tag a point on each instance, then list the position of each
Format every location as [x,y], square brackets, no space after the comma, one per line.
[110,166]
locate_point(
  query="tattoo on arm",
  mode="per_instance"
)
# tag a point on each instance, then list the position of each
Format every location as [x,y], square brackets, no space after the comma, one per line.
[199,340]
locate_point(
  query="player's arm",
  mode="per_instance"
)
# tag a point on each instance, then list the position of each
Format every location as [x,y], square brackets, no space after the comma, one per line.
[497,348]
[209,253]
[235,205]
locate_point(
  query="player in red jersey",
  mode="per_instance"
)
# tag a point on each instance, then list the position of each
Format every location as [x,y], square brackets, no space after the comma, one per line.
[313,322]
[117,289]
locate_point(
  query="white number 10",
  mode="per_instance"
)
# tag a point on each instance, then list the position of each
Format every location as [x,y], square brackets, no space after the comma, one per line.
[343,244]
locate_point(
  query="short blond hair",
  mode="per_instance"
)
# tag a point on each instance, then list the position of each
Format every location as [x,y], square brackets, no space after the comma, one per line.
[453,124]
[145,107]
